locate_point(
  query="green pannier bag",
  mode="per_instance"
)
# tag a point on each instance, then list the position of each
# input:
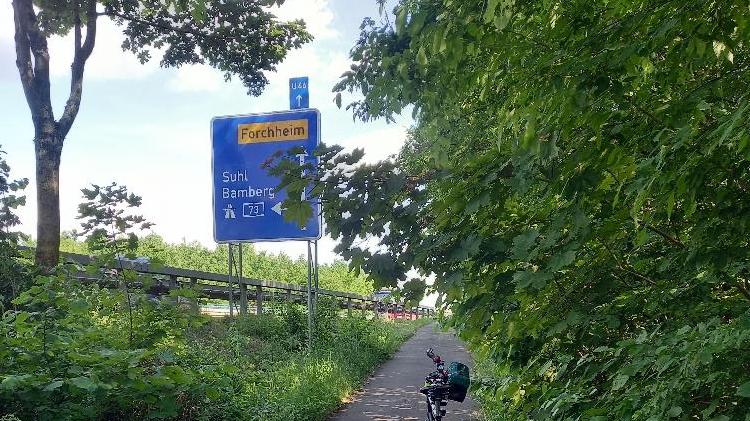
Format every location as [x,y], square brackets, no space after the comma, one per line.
[458,379]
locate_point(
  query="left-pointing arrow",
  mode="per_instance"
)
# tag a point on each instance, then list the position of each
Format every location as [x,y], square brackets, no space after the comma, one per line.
[277,208]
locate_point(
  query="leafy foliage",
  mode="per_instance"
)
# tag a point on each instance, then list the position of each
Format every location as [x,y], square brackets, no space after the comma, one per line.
[69,353]
[14,275]
[577,182]
[66,355]
[241,38]
[107,225]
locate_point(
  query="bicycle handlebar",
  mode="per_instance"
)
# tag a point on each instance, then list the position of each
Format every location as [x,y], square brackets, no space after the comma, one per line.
[435,358]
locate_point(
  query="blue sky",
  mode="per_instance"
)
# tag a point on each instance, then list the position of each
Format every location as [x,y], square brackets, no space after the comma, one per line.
[148,128]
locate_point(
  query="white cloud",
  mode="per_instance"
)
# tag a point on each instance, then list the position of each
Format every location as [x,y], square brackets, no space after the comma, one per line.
[198,78]
[378,144]
[107,62]
[6,22]
[317,14]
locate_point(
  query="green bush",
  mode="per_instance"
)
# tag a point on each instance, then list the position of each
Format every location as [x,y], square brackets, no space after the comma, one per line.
[68,354]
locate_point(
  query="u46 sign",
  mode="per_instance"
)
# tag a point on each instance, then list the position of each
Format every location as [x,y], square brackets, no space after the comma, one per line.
[246,205]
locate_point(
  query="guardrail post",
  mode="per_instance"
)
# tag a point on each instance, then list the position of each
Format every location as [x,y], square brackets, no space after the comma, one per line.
[194,302]
[289,295]
[243,299]
[349,306]
[375,309]
[173,285]
[258,300]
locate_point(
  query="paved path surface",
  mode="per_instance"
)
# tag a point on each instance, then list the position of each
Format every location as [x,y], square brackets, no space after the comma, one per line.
[392,394]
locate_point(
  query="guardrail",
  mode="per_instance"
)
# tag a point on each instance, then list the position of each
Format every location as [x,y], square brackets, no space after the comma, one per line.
[217,286]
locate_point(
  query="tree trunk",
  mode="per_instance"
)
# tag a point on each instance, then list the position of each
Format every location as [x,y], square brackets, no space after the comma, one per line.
[48,151]
[31,42]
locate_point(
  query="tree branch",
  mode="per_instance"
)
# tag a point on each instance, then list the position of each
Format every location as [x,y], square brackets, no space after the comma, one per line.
[30,41]
[81,54]
[627,268]
[23,50]
[666,236]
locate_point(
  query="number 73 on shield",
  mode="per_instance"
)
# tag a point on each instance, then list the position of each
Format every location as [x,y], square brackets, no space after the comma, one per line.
[252,210]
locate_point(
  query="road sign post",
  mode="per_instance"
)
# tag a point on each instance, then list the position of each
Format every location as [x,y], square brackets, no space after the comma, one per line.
[247,207]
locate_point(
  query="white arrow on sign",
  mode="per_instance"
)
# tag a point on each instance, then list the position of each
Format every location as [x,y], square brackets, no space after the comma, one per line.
[299,100]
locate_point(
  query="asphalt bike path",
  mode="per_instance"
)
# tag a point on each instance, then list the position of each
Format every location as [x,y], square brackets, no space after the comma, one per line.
[392,393]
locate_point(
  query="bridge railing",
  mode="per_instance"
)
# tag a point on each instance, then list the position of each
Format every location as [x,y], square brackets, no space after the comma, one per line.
[246,290]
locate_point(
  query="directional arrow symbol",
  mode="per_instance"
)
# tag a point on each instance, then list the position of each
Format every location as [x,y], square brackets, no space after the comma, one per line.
[299,100]
[277,208]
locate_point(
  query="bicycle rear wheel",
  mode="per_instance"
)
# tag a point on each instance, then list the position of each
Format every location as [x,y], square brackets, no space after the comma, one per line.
[434,412]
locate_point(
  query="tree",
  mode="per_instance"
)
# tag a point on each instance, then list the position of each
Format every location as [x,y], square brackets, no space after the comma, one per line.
[577,181]
[241,38]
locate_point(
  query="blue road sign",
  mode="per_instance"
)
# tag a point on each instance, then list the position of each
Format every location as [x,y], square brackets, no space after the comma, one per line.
[299,93]
[247,206]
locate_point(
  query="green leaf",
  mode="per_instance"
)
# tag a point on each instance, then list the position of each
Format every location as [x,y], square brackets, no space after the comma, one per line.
[522,243]
[620,381]
[79,306]
[83,383]
[298,212]
[12,382]
[337,100]
[422,56]
[489,12]
[52,386]
[401,19]
[744,390]
[527,278]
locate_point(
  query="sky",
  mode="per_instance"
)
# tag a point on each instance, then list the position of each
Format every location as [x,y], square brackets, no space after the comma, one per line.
[148,128]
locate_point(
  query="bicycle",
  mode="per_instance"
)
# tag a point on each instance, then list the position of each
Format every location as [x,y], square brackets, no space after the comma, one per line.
[442,385]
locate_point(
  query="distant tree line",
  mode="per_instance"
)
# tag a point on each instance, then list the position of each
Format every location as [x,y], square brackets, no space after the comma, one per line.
[256,264]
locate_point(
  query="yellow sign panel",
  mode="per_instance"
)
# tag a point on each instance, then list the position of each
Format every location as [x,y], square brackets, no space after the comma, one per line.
[272,131]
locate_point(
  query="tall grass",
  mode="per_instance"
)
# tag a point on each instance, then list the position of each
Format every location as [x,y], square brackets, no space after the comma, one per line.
[266,374]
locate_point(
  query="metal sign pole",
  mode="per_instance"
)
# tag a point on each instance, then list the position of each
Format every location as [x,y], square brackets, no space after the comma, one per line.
[310,309]
[315,303]
[243,294]
[231,290]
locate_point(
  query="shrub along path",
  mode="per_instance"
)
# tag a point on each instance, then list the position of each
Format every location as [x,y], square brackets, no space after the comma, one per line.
[392,393]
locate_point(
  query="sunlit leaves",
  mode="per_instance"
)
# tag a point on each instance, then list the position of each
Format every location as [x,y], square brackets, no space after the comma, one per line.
[597,154]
